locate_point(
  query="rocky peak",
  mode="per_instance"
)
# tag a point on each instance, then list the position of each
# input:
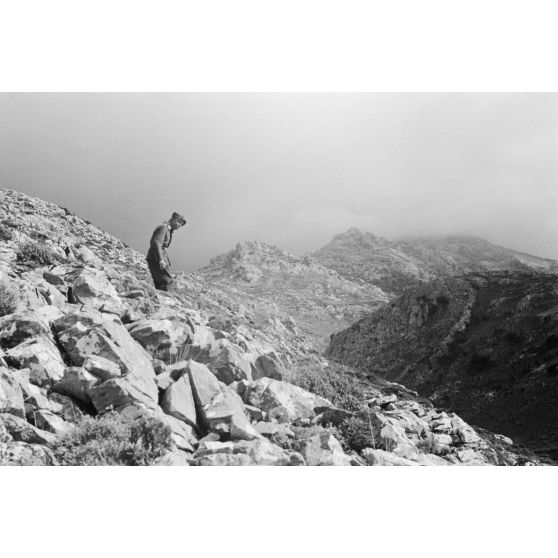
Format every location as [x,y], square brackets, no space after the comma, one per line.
[396,265]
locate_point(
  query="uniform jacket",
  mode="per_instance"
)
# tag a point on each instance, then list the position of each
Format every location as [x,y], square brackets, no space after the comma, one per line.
[160,241]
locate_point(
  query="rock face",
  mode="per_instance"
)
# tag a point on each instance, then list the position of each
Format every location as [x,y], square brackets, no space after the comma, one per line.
[483,345]
[272,282]
[396,265]
[213,365]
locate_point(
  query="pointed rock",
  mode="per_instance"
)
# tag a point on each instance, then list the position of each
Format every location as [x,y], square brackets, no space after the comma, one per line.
[178,401]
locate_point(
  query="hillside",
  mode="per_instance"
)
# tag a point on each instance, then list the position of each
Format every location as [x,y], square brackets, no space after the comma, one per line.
[484,345]
[272,282]
[395,265]
[98,368]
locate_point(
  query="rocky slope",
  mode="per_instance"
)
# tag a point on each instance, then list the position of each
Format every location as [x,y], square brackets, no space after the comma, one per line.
[272,282]
[396,265]
[83,334]
[484,345]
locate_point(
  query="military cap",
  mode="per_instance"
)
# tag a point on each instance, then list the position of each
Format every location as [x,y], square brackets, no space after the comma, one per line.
[177,217]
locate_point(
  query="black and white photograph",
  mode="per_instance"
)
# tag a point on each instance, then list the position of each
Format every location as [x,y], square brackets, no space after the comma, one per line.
[278,278]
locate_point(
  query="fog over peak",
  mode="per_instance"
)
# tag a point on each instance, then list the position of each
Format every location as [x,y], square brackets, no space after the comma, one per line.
[291,170]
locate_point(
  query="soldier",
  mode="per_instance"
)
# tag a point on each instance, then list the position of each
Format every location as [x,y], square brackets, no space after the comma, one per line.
[157,258]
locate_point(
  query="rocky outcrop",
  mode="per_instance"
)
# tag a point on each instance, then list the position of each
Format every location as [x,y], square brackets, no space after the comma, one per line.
[298,291]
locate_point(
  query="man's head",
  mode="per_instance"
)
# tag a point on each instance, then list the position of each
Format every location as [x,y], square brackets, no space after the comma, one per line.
[176,221]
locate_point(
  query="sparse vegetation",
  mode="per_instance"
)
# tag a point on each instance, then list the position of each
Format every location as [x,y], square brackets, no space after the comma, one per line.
[35,254]
[334,382]
[8,298]
[6,233]
[112,439]
[346,391]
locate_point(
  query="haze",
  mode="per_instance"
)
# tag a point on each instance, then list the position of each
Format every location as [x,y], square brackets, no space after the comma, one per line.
[290,169]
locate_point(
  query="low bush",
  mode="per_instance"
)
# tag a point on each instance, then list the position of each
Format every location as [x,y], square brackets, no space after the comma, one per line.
[112,439]
[35,254]
[345,390]
[9,298]
[334,382]
[5,233]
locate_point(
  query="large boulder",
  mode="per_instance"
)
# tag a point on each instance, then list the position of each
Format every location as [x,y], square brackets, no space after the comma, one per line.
[20,326]
[220,409]
[11,395]
[178,401]
[282,401]
[156,336]
[87,335]
[268,365]
[91,287]
[322,449]
[225,359]
[42,358]
[227,417]
[118,393]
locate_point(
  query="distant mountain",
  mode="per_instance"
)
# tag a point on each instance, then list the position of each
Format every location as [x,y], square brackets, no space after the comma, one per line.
[272,282]
[484,345]
[396,265]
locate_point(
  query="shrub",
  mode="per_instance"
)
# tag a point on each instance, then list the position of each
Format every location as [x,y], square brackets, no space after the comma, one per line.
[334,382]
[35,254]
[354,433]
[112,439]
[8,298]
[5,233]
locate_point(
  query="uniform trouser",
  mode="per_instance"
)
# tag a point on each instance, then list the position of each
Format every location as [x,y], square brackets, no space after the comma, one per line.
[161,277]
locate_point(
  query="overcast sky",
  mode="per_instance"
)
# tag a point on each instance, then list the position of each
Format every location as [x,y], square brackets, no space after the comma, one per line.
[290,169]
